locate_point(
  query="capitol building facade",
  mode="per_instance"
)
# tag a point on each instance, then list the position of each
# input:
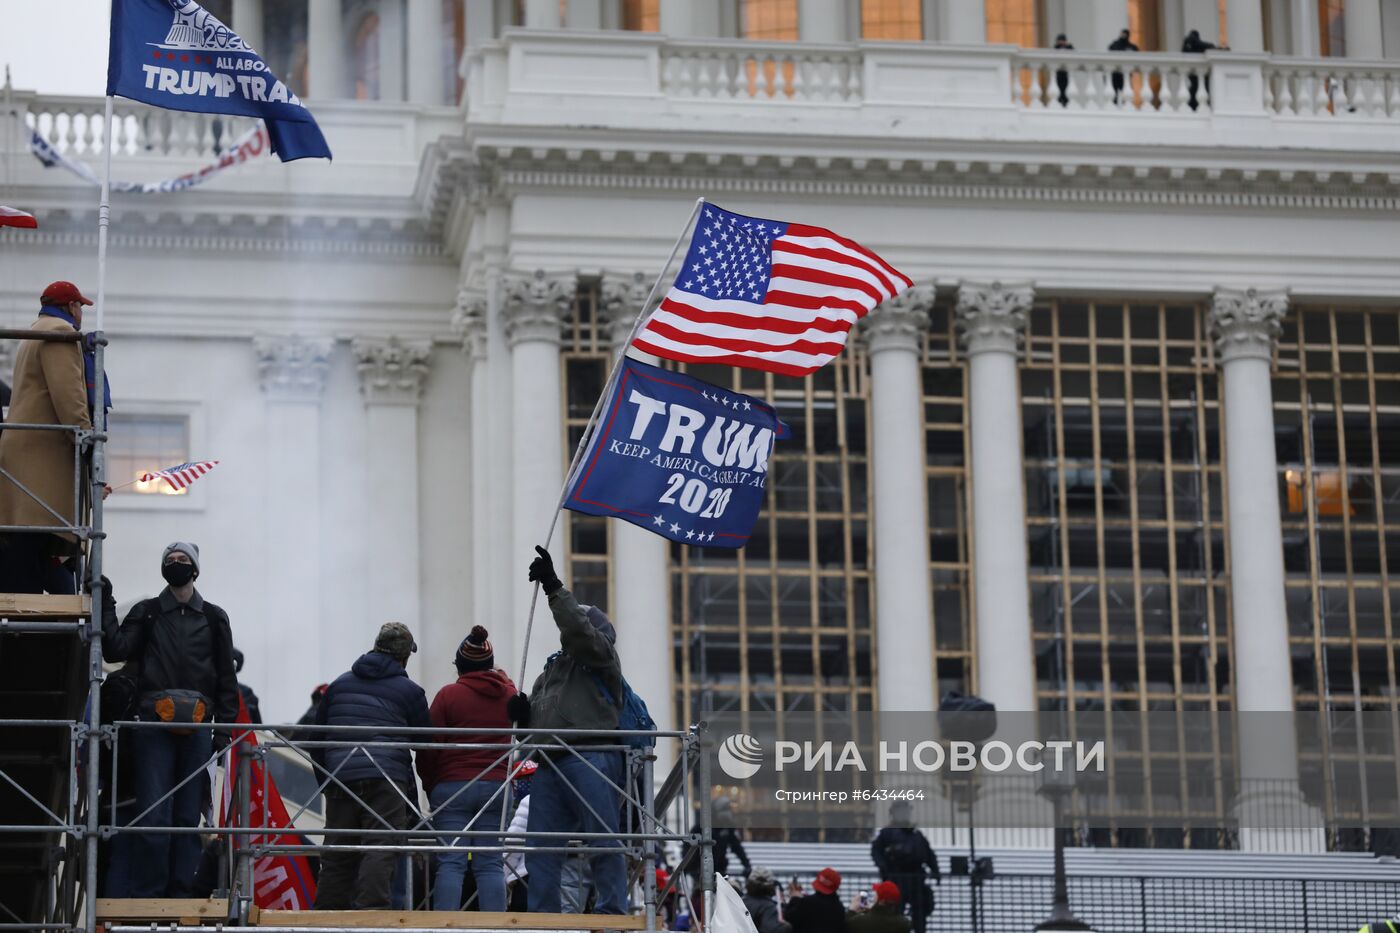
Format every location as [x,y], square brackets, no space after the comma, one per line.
[1132,442]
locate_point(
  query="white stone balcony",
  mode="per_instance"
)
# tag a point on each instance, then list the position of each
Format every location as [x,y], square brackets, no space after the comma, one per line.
[887,99]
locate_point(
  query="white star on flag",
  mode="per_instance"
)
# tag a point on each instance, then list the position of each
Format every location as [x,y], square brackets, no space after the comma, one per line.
[658,520]
[675,529]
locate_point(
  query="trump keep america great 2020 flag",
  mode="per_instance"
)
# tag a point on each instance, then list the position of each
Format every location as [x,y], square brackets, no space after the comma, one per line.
[177,55]
[679,457]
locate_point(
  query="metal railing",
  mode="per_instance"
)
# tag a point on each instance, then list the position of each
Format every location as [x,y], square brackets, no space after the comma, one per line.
[1146,904]
[653,820]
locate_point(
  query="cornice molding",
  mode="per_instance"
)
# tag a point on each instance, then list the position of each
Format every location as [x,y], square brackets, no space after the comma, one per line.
[899,323]
[469,322]
[537,304]
[1246,323]
[992,317]
[291,367]
[392,371]
[622,296]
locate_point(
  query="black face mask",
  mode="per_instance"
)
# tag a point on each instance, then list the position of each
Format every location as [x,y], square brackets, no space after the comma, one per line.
[177,574]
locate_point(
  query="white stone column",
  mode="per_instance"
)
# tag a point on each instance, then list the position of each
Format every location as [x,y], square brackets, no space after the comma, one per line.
[584,14]
[392,42]
[469,321]
[392,373]
[1245,325]
[1364,33]
[1302,16]
[535,309]
[964,21]
[248,22]
[903,594]
[991,320]
[325,49]
[542,14]
[292,372]
[425,45]
[479,20]
[678,19]
[1093,24]
[1244,22]
[641,562]
[822,20]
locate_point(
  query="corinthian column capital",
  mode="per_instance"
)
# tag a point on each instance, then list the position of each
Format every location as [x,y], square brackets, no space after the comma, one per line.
[992,317]
[622,297]
[1246,323]
[469,322]
[899,323]
[537,305]
[392,371]
[293,368]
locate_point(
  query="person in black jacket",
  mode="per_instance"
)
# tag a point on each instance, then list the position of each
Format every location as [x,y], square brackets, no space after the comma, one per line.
[1124,43]
[759,891]
[180,650]
[820,911]
[372,786]
[903,854]
[1193,44]
[1063,44]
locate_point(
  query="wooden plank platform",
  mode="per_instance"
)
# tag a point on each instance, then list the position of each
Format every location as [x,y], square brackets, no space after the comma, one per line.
[179,910]
[447,919]
[44,606]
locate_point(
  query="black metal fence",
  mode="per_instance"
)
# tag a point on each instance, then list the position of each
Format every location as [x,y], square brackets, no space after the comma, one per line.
[1126,904]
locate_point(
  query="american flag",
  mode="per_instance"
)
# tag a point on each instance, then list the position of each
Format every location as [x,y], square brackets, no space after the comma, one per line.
[765,294]
[14,217]
[178,477]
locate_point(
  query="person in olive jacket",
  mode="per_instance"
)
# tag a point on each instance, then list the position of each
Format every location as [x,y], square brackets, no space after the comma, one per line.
[887,916]
[581,687]
[180,649]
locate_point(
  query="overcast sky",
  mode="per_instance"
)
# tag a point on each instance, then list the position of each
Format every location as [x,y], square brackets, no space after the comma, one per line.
[55,47]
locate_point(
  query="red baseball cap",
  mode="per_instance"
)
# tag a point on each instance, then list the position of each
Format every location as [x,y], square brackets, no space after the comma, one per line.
[886,892]
[827,881]
[63,293]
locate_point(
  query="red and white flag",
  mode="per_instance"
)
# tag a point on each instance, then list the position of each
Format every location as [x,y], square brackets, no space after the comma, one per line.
[280,882]
[767,294]
[180,475]
[13,217]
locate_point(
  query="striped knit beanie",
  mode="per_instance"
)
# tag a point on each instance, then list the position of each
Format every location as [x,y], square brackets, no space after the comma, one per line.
[475,652]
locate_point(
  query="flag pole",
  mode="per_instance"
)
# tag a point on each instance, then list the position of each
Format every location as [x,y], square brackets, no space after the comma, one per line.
[94,565]
[583,441]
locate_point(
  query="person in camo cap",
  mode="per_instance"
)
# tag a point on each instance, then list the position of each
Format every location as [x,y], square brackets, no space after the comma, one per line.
[372,785]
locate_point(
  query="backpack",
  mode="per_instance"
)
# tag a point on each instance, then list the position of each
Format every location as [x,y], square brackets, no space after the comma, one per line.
[632,713]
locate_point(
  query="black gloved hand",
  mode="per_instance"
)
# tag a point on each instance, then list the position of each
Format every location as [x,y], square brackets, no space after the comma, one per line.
[542,572]
[518,709]
[221,741]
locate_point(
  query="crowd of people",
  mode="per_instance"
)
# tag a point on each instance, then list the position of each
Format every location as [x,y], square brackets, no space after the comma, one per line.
[179,673]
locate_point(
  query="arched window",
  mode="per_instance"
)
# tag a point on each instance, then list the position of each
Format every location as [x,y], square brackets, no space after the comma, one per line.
[364,56]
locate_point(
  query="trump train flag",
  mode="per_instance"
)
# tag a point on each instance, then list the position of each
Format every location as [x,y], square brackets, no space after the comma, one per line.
[679,457]
[280,882]
[176,54]
[766,294]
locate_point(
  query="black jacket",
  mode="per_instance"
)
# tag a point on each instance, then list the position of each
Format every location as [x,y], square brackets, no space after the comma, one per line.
[764,913]
[1122,45]
[375,691]
[1196,45]
[816,913]
[176,647]
[566,694]
[902,850]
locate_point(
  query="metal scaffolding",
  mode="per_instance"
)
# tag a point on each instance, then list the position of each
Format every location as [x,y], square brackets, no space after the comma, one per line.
[77,815]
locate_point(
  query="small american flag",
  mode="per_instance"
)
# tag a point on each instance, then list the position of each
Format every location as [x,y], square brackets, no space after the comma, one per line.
[766,294]
[178,477]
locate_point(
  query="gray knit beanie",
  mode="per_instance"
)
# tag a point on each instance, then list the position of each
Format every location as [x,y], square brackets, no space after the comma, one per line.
[189,550]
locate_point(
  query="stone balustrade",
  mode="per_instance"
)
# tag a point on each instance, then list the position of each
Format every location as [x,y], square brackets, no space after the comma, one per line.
[1101,81]
[738,70]
[1332,88]
[73,126]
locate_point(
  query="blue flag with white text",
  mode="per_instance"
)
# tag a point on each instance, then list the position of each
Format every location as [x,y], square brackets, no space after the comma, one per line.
[679,457]
[177,55]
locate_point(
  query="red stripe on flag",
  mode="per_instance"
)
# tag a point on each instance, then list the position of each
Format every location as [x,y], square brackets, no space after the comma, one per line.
[822,277]
[739,346]
[731,359]
[804,230]
[832,255]
[753,321]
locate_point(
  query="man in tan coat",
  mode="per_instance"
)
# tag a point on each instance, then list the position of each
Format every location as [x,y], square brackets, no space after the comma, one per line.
[50,387]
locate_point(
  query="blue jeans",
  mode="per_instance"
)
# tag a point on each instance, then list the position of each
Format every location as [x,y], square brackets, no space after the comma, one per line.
[565,800]
[163,865]
[473,808]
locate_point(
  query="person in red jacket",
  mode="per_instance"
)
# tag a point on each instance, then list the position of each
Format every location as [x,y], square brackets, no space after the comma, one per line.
[463,784]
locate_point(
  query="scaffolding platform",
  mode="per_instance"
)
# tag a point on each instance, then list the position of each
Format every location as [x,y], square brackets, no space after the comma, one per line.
[169,913]
[28,606]
[184,911]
